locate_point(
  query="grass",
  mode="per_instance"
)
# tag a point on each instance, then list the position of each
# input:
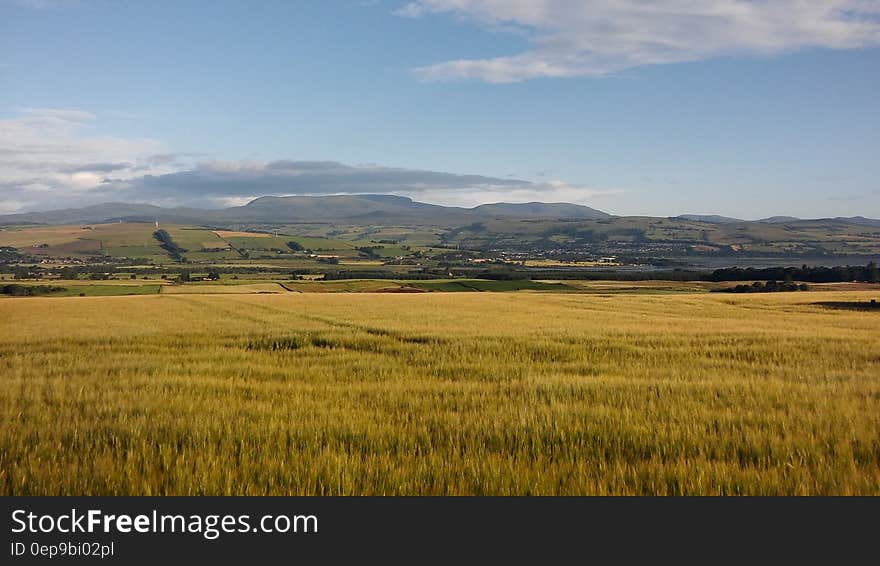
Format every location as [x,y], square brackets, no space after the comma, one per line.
[804,237]
[320,244]
[469,285]
[130,239]
[270,282]
[88,282]
[440,393]
[109,290]
[118,239]
[28,236]
[219,289]
[102,289]
[194,240]
[339,286]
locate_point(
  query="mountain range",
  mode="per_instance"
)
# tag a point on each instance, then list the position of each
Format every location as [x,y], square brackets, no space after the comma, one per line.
[351,209]
[716,219]
[357,209]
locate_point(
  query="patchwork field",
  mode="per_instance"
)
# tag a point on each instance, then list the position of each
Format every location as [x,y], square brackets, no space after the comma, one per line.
[440,393]
[117,239]
[135,240]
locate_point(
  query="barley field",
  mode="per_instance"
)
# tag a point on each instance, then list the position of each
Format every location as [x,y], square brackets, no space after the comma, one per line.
[439,393]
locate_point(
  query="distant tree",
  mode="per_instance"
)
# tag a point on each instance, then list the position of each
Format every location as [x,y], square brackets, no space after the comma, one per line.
[500,274]
[213,276]
[872,273]
[369,251]
[9,255]
[184,277]
[818,274]
[771,286]
[16,290]
[295,246]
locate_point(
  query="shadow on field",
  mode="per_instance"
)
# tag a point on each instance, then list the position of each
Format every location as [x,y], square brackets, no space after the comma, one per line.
[872,305]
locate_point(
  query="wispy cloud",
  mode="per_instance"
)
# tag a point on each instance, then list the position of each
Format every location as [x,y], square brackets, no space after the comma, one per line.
[49,157]
[577,38]
[63,114]
[552,191]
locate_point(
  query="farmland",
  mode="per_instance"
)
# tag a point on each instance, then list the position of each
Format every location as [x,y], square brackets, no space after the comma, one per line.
[527,245]
[598,388]
[356,359]
[135,239]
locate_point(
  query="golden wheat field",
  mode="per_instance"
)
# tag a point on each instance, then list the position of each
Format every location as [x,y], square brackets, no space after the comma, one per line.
[470,393]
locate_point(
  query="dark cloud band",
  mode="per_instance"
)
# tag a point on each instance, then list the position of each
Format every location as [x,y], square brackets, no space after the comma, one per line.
[297,177]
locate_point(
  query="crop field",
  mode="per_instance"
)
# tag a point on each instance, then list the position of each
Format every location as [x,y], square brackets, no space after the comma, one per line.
[440,393]
[243,288]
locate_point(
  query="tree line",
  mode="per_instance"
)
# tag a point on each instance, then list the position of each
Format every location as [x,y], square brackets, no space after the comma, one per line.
[16,290]
[819,274]
[771,286]
[167,244]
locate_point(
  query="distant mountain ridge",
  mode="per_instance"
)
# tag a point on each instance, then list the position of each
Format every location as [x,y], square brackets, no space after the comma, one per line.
[710,218]
[354,209]
[105,212]
[860,220]
[779,219]
[541,210]
[362,209]
[716,219]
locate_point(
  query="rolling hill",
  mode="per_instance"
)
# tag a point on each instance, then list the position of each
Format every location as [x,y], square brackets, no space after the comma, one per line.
[558,210]
[350,209]
[558,229]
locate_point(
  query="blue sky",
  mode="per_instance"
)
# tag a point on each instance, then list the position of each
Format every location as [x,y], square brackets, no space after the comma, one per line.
[746,109]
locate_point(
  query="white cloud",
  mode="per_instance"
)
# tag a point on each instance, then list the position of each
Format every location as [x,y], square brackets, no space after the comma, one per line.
[571,38]
[51,158]
[74,116]
[10,206]
[553,191]
[226,202]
